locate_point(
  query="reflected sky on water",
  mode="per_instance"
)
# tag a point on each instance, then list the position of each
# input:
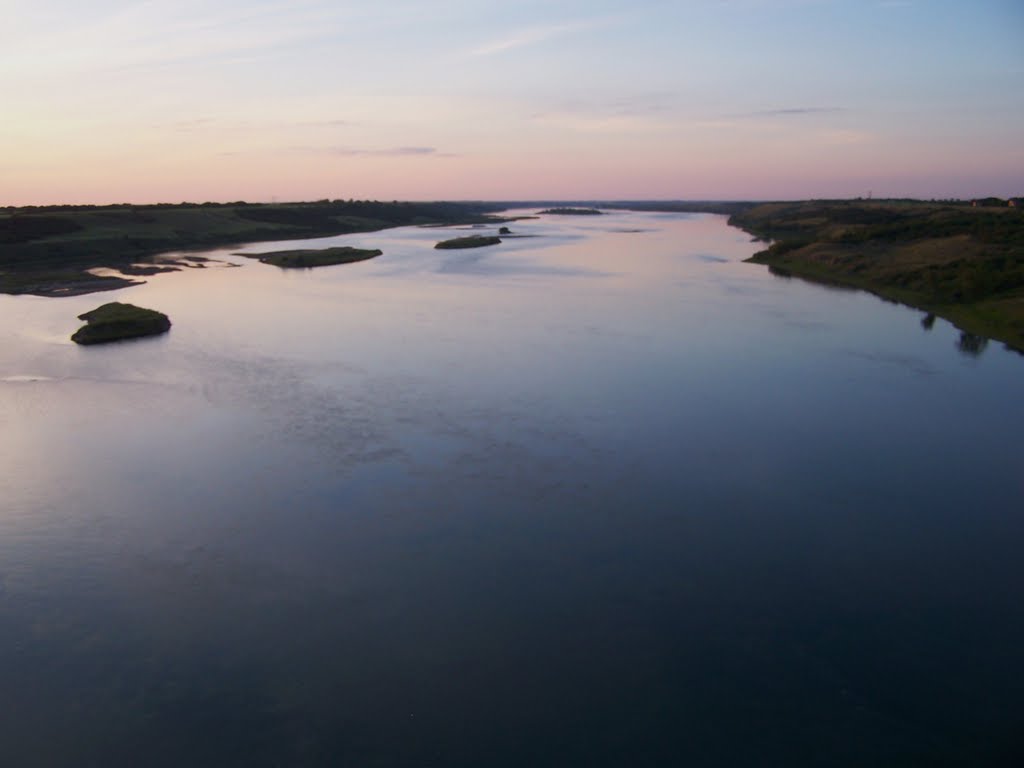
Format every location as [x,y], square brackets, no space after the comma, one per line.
[601,495]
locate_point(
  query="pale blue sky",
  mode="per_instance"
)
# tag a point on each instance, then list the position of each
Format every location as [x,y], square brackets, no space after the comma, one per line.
[169,100]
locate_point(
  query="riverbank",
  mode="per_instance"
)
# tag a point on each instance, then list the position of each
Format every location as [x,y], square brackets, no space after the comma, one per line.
[958,262]
[58,250]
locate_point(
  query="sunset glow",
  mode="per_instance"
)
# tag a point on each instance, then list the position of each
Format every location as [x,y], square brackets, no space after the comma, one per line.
[153,101]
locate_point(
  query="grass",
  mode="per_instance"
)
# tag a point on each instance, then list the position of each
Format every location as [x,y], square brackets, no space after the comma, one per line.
[961,263]
[49,251]
[308,258]
[472,241]
[116,321]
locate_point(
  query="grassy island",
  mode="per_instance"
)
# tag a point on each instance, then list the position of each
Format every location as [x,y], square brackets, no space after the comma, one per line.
[54,250]
[472,241]
[956,261]
[573,211]
[305,259]
[116,321]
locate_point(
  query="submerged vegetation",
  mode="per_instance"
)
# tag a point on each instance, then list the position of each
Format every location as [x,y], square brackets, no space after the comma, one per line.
[116,321]
[472,241]
[49,251]
[308,258]
[959,262]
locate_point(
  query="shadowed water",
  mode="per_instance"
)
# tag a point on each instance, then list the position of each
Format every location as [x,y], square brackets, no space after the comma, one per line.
[601,496]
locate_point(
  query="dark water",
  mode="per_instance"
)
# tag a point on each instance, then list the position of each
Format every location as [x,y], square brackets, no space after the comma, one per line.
[596,497]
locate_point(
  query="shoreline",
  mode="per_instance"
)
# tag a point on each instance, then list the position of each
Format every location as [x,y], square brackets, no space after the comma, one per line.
[51,251]
[961,264]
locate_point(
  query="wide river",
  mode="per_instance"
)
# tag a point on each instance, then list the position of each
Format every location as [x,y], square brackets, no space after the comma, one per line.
[601,496]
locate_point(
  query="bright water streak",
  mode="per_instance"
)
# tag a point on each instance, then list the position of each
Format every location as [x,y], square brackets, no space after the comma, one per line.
[602,496]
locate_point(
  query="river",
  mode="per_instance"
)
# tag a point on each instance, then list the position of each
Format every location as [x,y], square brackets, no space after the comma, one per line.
[600,495]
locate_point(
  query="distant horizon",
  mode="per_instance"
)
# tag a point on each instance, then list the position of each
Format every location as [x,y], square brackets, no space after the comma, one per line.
[514,201]
[1003,194]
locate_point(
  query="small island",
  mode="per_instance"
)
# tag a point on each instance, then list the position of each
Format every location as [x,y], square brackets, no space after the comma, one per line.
[573,211]
[116,321]
[309,258]
[472,241]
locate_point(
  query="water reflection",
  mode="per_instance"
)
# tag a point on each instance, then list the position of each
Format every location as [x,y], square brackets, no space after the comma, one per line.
[398,513]
[971,345]
[823,283]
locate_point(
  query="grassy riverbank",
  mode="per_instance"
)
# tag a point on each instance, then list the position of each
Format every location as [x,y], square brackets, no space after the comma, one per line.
[50,251]
[962,263]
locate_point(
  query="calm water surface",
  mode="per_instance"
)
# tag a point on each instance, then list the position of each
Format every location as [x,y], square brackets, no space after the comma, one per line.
[604,495]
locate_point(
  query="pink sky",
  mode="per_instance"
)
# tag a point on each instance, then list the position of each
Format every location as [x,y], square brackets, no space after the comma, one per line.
[169,101]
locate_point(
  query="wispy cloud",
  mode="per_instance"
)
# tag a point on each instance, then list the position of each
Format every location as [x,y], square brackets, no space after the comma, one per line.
[188,126]
[392,152]
[325,123]
[158,32]
[385,152]
[624,105]
[211,124]
[791,112]
[600,124]
[843,138]
[766,118]
[533,35]
[627,113]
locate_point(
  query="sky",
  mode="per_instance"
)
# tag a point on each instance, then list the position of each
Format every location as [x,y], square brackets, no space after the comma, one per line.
[192,100]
